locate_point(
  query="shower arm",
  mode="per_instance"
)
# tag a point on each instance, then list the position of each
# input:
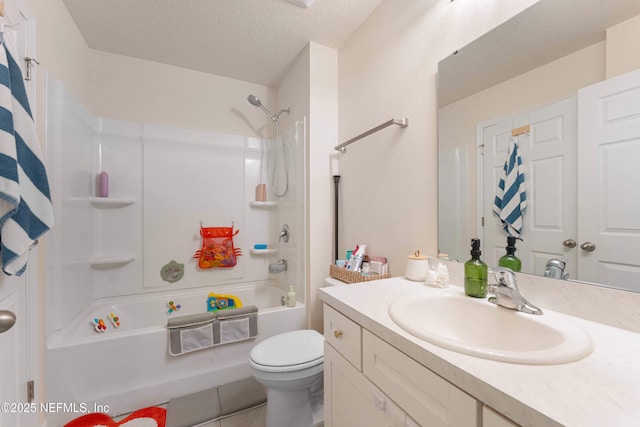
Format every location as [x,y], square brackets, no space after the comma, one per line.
[403,123]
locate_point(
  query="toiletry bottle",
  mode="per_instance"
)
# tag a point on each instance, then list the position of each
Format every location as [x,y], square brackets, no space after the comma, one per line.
[291,297]
[510,260]
[103,185]
[355,262]
[475,273]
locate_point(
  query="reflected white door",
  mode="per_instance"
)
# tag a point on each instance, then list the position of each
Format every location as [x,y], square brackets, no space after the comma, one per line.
[548,154]
[609,198]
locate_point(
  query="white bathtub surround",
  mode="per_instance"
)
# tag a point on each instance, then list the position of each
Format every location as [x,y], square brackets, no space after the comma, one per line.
[600,389]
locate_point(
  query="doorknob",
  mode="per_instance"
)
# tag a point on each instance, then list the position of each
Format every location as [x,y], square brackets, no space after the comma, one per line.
[570,243]
[7,319]
[588,247]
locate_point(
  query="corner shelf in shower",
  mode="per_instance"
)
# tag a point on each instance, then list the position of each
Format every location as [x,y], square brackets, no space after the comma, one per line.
[263,205]
[262,251]
[110,202]
[111,261]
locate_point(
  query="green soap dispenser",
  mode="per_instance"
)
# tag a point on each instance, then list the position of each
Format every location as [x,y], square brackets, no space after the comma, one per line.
[510,260]
[475,273]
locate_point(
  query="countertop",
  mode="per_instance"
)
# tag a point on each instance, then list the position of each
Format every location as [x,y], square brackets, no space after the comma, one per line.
[603,389]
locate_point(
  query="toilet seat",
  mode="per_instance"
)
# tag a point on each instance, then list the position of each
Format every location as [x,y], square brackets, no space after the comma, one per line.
[290,351]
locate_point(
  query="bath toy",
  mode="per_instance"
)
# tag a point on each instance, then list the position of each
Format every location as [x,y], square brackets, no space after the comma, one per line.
[115,320]
[217,302]
[172,271]
[99,325]
[217,248]
[173,307]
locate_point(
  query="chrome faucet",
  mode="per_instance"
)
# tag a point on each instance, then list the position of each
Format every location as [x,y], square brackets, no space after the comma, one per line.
[506,293]
[555,269]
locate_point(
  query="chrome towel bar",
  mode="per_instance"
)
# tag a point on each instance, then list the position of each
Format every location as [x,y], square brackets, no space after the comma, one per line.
[403,123]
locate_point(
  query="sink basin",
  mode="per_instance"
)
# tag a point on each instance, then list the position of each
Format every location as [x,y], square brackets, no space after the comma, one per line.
[479,328]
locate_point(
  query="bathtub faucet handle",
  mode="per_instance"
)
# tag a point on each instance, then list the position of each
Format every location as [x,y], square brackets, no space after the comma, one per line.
[284,234]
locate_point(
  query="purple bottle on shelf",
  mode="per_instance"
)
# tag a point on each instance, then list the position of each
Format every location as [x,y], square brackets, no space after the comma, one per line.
[103,186]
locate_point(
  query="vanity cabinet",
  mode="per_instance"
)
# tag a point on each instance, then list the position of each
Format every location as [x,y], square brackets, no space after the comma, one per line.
[370,383]
[491,418]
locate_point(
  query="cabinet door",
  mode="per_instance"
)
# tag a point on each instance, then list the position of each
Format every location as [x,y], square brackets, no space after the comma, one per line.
[426,397]
[351,400]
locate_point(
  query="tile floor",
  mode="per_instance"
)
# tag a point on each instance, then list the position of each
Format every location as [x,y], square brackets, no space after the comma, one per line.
[251,418]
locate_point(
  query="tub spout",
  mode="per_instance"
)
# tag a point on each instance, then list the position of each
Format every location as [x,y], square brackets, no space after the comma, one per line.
[278,267]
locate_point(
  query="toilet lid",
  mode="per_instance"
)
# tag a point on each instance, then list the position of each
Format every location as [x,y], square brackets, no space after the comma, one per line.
[289,349]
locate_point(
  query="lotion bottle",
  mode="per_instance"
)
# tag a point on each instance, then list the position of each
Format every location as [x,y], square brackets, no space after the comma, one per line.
[510,260]
[291,297]
[475,273]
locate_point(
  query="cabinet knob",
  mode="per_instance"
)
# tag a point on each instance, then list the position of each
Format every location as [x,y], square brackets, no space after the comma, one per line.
[569,243]
[337,333]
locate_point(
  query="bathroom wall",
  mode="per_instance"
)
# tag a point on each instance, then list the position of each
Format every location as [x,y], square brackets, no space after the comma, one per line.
[310,87]
[622,50]
[126,88]
[388,69]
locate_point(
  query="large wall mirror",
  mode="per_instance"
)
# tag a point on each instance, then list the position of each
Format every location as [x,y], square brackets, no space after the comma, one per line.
[544,79]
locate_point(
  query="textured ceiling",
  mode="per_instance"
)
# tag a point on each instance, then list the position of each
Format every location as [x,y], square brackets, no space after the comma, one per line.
[250,40]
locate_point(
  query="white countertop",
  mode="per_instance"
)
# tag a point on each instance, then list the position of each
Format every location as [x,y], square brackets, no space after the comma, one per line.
[602,389]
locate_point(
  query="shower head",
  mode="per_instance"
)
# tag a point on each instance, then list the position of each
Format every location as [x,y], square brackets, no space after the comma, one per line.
[255,101]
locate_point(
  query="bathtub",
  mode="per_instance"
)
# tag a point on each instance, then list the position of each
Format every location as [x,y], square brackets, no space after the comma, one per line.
[128,368]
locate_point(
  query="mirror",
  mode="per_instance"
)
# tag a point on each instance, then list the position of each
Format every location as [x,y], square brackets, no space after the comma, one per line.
[535,60]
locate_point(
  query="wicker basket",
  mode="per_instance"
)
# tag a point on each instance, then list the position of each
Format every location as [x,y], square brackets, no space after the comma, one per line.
[349,276]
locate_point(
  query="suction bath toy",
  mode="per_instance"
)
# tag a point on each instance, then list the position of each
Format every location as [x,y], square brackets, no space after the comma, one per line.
[99,325]
[217,302]
[173,307]
[115,320]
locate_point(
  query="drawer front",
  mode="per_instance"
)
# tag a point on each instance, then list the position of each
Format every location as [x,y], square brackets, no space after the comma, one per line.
[424,396]
[344,335]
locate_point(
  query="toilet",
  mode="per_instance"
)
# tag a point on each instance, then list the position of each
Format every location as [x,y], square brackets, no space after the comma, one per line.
[290,366]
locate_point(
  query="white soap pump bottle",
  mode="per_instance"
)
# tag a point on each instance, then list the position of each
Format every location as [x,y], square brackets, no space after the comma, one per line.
[291,297]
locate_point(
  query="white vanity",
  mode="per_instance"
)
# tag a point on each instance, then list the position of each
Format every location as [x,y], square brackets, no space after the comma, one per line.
[376,374]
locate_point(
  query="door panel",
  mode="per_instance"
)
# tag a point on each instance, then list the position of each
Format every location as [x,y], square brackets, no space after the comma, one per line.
[609,197]
[549,163]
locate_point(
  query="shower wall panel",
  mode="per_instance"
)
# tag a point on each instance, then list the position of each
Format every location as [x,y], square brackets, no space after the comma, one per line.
[163,183]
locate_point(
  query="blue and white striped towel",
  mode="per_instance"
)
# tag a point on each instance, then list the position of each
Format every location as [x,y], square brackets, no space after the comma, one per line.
[511,196]
[25,202]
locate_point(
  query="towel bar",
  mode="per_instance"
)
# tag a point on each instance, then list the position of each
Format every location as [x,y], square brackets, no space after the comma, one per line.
[403,123]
